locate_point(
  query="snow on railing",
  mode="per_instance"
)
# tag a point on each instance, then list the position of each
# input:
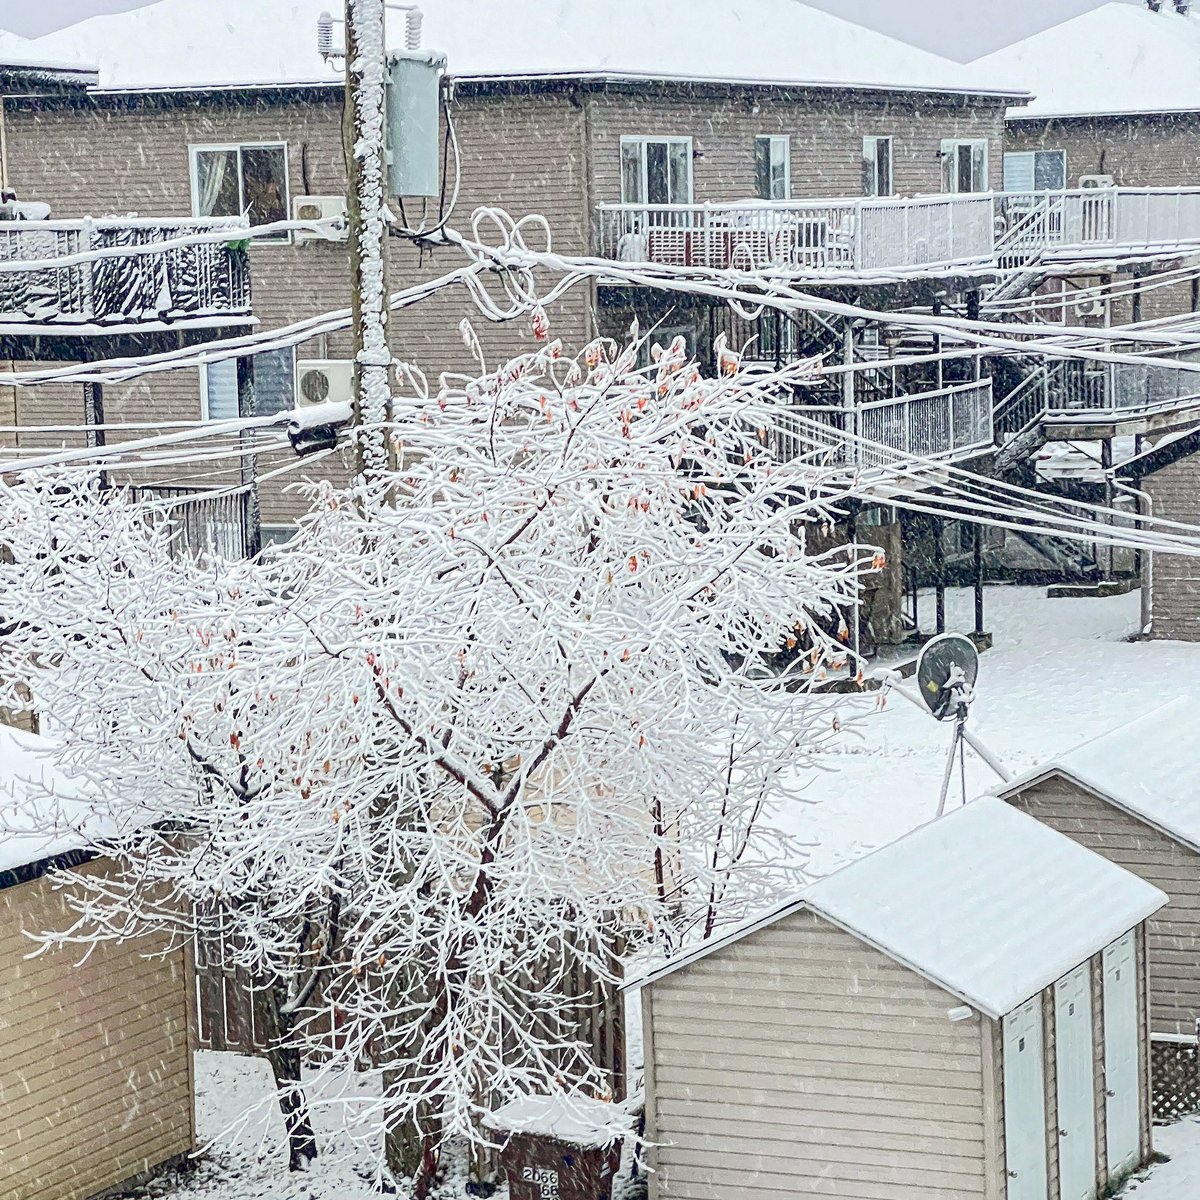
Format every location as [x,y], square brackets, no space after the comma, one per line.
[203,521]
[185,280]
[950,423]
[802,236]
[1097,220]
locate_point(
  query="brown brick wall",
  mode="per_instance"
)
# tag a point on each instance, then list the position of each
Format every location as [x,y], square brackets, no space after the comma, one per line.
[555,154]
[1137,151]
[1175,491]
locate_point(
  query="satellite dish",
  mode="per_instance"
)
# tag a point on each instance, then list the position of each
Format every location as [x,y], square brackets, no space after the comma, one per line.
[946,672]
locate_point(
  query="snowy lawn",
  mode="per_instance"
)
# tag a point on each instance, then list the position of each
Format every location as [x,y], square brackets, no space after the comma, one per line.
[232,1090]
[1178,1179]
[1061,671]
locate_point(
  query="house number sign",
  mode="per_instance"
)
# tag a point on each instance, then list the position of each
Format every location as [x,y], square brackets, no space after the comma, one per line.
[545,1179]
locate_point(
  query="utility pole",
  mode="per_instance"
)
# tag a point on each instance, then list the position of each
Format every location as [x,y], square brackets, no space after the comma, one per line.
[364,132]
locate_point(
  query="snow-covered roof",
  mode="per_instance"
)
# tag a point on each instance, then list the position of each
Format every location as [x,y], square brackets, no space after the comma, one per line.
[208,43]
[577,1120]
[45,811]
[1117,59]
[986,902]
[1146,768]
[19,58]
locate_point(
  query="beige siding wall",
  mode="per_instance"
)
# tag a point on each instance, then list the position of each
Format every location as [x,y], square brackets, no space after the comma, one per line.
[1174,933]
[799,1062]
[525,153]
[1175,590]
[95,1066]
[826,139]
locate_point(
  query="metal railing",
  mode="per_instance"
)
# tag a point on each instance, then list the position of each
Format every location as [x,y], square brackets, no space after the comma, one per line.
[954,422]
[1097,220]
[216,523]
[1064,389]
[177,283]
[809,236]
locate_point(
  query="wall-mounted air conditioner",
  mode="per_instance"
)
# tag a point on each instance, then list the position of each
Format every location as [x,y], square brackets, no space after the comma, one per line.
[324,381]
[1097,181]
[1089,306]
[321,208]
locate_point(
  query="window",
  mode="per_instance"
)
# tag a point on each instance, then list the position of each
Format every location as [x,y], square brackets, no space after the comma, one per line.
[277,535]
[773,167]
[656,170]
[272,375]
[228,181]
[965,166]
[1035,171]
[877,166]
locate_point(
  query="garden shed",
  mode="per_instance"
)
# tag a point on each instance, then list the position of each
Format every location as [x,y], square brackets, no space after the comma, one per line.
[1132,795]
[959,1014]
[95,1065]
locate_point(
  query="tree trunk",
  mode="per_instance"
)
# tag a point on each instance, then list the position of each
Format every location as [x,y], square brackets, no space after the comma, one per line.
[275,1027]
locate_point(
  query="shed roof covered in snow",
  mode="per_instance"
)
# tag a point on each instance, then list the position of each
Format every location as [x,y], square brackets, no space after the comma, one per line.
[1146,768]
[987,903]
[45,810]
[177,44]
[1118,59]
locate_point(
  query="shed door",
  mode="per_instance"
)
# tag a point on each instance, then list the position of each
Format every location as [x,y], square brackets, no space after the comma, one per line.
[1076,1085]
[1025,1102]
[1122,1103]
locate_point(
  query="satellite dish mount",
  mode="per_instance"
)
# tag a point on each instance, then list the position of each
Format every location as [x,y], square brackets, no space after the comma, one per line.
[946,673]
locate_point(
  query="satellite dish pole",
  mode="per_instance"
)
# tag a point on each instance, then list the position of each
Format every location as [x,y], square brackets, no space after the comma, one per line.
[946,673]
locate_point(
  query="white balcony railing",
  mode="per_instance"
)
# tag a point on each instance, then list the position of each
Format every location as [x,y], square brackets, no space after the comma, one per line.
[1097,221]
[955,422]
[184,280]
[836,236]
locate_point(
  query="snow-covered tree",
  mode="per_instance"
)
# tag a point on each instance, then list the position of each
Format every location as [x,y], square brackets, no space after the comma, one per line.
[493,716]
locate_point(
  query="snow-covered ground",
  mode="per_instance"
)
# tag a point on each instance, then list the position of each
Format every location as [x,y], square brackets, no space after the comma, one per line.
[1061,671]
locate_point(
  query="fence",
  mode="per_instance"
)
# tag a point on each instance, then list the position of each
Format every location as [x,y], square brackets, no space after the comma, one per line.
[821,236]
[164,283]
[1174,1076]
[216,523]
[950,423]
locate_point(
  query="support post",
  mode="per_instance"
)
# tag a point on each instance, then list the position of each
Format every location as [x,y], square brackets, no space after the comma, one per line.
[364,131]
[937,347]
[1106,461]
[848,395]
[93,418]
[939,572]
[977,551]
[252,512]
[1137,298]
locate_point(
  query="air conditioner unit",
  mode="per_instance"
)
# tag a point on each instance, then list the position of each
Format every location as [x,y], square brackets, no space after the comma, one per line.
[324,381]
[1089,306]
[321,208]
[1097,181]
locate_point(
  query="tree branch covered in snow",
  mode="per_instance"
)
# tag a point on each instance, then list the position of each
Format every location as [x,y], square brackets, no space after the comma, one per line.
[493,720]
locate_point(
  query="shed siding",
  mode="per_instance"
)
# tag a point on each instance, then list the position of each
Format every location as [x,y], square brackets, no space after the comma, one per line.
[95,1066]
[866,1092]
[1174,933]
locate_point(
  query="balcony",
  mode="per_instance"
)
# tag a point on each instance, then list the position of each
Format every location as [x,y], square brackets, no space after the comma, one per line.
[96,289]
[834,237]
[202,522]
[1097,222]
[947,425]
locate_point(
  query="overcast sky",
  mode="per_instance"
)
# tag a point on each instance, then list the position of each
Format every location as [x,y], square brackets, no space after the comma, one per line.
[962,29]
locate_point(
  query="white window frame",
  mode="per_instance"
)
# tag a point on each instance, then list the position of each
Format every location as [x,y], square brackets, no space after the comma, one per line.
[951,146]
[284,239]
[776,140]
[203,369]
[643,140]
[871,155]
[1031,157]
